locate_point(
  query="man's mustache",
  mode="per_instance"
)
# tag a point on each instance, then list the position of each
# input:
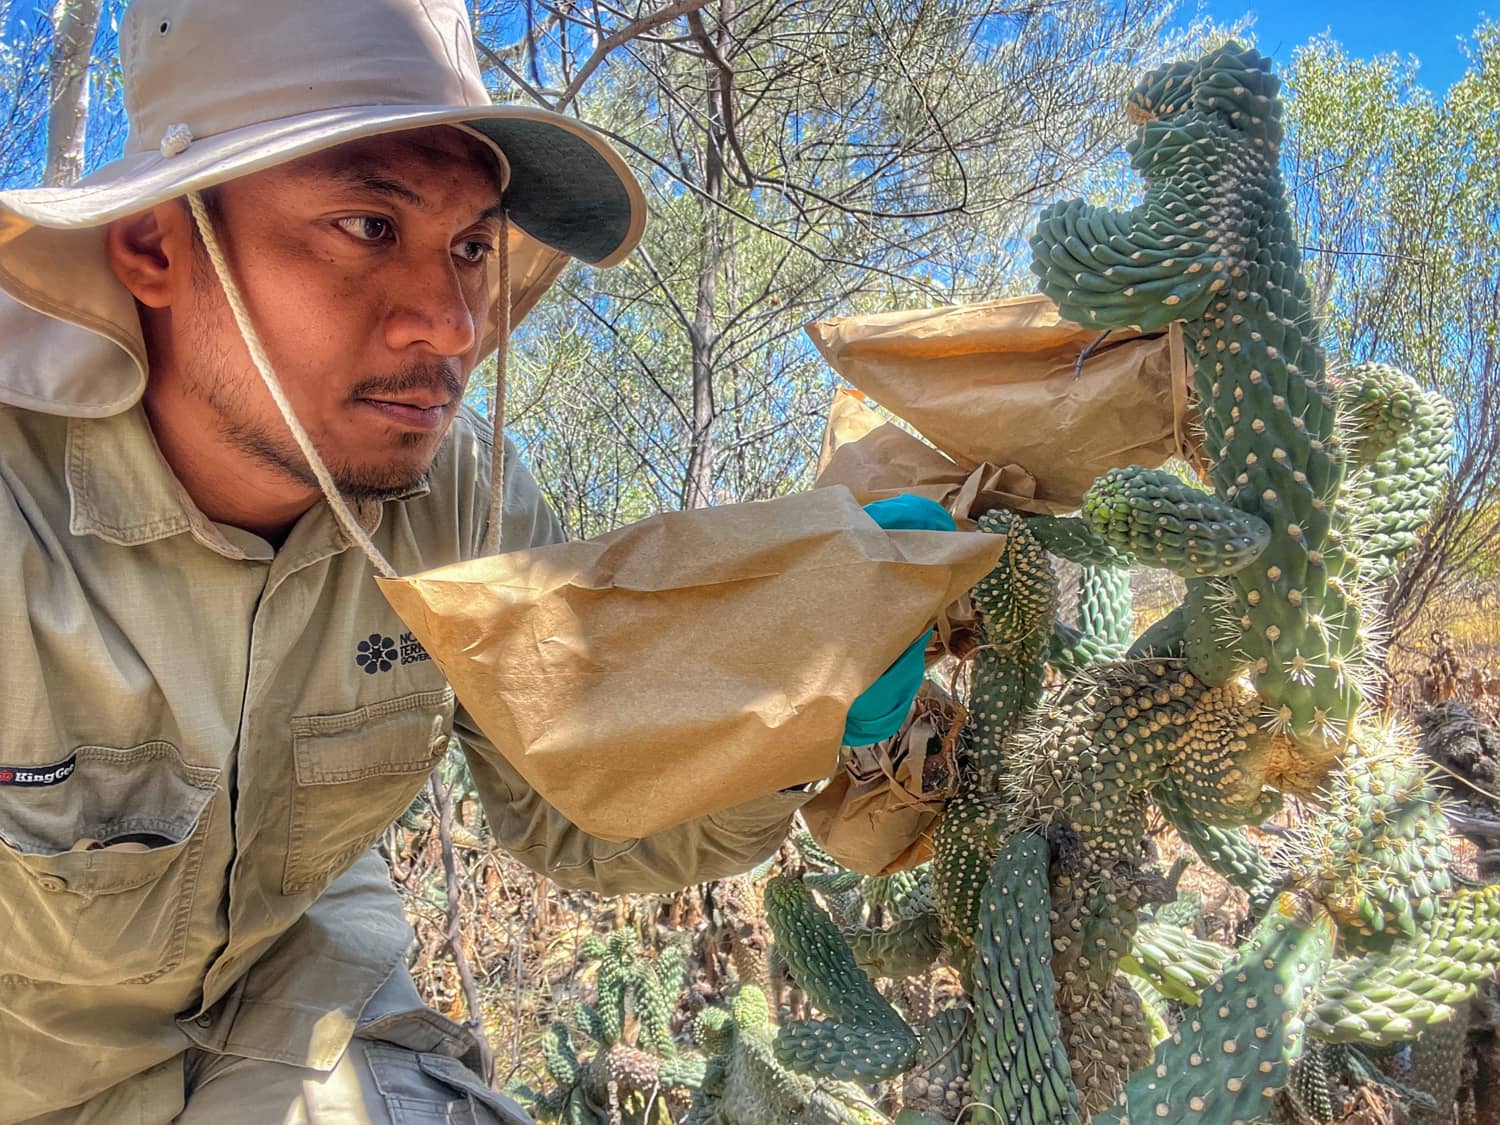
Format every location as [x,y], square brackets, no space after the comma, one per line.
[417,377]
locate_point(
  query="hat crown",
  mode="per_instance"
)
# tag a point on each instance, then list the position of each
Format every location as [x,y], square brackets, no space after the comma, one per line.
[218,65]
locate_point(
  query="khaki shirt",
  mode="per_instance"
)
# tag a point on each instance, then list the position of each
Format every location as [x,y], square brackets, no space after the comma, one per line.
[244,723]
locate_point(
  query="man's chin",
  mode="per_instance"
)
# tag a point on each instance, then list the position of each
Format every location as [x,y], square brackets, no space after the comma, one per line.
[379,483]
[403,468]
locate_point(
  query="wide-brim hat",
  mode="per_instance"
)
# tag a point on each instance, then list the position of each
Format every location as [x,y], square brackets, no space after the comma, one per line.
[218,89]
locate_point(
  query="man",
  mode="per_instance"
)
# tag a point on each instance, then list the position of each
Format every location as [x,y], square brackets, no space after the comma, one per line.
[210,712]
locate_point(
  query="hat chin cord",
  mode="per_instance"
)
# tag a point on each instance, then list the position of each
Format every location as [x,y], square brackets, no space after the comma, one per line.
[342,513]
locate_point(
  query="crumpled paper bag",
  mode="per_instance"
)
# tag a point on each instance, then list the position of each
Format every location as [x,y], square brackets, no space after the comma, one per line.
[688,663]
[994,383]
[877,814]
[876,459]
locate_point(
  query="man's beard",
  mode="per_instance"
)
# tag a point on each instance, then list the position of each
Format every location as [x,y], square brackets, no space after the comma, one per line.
[273,445]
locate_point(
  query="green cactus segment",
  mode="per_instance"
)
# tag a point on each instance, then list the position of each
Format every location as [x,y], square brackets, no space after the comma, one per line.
[905,893]
[940,1082]
[1438,1062]
[1213,245]
[1184,910]
[1389,997]
[1105,605]
[1019,597]
[1234,1050]
[1312,1085]
[558,1055]
[864,1036]
[1166,522]
[1154,1006]
[1073,539]
[1175,962]
[1129,730]
[1384,408]
[1017,604]
[1071,651]
[1401,438]
[1228,851]
[1106,622]
[903,950]
[745,1085]
[963,849]
[1167,639]
[1021,1071]
[628,981]
[1378,856]
[841,1050]
[1212,632]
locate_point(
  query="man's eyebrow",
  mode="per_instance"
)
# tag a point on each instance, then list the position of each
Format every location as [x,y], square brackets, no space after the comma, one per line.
[366,179]
[369,180]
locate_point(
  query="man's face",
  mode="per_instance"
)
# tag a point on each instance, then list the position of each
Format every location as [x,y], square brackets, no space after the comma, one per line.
[366,270]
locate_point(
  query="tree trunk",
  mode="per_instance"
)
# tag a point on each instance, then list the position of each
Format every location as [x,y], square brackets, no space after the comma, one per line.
[74,24]
[697,485]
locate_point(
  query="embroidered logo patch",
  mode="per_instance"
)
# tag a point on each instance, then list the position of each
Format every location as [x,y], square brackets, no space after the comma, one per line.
[379,653]
[34,776]
[375,653]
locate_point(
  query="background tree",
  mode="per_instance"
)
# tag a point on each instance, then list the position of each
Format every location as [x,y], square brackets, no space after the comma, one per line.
[802,161]
[74,23]
[1397,194]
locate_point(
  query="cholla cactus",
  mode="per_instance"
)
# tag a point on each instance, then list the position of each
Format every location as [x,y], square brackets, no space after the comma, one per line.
[622,1081]
[1257,683]
[746,1085]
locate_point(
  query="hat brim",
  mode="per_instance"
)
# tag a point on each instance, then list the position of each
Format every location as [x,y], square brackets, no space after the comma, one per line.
[568,188]
[569,195]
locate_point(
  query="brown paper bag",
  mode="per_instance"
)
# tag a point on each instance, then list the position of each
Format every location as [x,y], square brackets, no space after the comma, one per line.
[688,663]
[877,813]
[875,459]
[994,383]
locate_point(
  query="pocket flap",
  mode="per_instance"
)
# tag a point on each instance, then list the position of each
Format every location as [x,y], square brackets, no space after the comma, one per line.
[393,736]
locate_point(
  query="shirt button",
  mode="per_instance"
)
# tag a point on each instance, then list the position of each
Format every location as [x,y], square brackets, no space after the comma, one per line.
[52,883]
[204,1020]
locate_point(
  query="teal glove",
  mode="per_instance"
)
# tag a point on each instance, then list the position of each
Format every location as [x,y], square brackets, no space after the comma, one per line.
[878,713]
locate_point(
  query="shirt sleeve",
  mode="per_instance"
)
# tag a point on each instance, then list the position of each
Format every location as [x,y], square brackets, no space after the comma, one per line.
[711,847]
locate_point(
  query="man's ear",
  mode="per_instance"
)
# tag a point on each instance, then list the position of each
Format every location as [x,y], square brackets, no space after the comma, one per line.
[152,253]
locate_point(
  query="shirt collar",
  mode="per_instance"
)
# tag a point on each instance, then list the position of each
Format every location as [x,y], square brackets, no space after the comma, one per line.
[122,490]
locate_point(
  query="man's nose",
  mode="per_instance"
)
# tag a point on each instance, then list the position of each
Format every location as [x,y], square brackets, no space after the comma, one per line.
[430,308]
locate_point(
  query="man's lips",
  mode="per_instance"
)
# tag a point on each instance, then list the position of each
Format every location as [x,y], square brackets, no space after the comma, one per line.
[416,414]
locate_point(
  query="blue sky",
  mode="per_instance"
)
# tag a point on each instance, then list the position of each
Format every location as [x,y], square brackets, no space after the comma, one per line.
[1429,29]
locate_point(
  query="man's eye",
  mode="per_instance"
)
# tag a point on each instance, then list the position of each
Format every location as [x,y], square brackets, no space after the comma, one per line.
[474,251]
[366,228]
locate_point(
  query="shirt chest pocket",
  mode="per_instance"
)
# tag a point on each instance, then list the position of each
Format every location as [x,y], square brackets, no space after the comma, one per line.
[356,772]
[98,871]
